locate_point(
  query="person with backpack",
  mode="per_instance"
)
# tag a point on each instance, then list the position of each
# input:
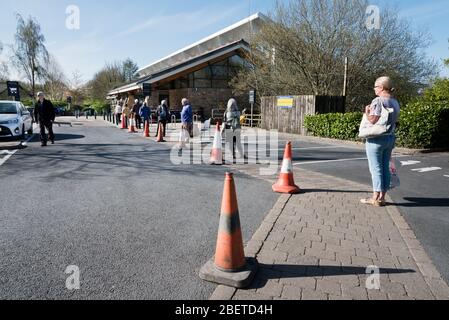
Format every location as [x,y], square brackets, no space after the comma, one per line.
[162,116]
[232,128]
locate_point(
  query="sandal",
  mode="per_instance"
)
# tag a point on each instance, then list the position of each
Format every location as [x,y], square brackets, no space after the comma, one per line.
[372,202]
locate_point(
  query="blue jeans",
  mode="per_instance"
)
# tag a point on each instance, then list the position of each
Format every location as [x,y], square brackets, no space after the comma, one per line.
[379,152]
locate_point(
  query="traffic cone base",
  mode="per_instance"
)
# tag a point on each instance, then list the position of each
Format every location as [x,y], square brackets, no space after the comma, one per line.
[229,266]
[123,124]
[216,157]
[160,137]
[241,279]
[132,128]
[146,131]
[286,185]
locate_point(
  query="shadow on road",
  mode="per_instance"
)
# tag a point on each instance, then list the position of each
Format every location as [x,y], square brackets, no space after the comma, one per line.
[62,137]
[424,202]
[267,272]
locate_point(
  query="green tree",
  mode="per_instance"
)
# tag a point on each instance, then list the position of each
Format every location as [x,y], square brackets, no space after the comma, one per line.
[439,92]
[29,51]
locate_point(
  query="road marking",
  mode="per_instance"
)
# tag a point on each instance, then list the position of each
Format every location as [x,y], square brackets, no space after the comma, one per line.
[2,161]
[423,170]
[446,176]
[409,163]
[5,152]
[337,160]
[11,153]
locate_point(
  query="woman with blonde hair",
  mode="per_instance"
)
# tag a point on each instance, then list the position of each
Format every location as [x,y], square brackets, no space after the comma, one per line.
[379,148]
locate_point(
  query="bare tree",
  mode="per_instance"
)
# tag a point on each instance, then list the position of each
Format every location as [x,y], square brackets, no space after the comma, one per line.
[3,66]
[129,69]
[77,88]
[303,48]
[29,51]
[56,83]
[110,76]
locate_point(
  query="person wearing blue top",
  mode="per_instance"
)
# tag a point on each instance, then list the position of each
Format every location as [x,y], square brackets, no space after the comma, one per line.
[187,116]
[379,149]
[145,111]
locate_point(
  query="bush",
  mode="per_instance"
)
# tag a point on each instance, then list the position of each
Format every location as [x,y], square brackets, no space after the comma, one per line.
[343,126]
[422,125]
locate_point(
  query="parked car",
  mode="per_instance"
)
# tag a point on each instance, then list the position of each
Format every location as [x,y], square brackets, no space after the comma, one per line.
[15,120]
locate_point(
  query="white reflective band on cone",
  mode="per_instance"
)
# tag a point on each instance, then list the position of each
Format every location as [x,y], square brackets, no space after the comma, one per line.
[287,166]
[217,141]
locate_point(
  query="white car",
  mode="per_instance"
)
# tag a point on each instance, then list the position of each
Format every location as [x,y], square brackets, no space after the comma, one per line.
[15,120]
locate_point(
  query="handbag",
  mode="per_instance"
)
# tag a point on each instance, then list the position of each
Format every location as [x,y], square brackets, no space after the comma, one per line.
[368,130]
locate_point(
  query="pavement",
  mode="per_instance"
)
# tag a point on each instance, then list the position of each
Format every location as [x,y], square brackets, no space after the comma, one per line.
[319,244]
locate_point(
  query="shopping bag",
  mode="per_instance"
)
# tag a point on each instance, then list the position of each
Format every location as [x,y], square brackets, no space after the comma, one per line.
[395,182]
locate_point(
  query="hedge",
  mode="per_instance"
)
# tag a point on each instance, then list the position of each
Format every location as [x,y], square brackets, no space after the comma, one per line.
[423,125]
[342,126]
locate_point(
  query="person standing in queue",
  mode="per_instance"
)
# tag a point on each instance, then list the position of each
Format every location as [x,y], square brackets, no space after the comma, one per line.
[126,113]
[380,148]
[145,111]
[119,111]
[162,115]
[233,129]
[187,116]
[136,115]
[45,115]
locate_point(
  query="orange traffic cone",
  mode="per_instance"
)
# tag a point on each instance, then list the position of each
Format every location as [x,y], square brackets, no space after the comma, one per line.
[146,132]
[160,135]
[230,267]
[286,182]
[132,126]
[216,155]
[123,122]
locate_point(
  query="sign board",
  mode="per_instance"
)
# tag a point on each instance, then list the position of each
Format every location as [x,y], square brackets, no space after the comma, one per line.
[252,96]
[285,102]
[146,88]
[13,89]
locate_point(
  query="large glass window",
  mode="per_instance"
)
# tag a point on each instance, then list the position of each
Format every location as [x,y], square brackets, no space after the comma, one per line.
[216,75]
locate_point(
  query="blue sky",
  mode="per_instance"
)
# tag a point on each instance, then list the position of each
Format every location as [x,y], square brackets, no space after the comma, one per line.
[147,30]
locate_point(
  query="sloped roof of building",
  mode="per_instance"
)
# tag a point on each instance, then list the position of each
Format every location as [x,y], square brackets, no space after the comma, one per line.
[232,38]
[243,29]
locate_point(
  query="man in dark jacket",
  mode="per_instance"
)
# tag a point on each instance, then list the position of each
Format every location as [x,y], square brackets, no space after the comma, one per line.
[135,111]
[163,114]
[44,113]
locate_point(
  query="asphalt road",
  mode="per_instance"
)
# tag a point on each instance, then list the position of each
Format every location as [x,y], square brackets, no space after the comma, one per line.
[112,204]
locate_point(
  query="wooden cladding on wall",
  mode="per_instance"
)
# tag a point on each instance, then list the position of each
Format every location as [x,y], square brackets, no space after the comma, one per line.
[291,120]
